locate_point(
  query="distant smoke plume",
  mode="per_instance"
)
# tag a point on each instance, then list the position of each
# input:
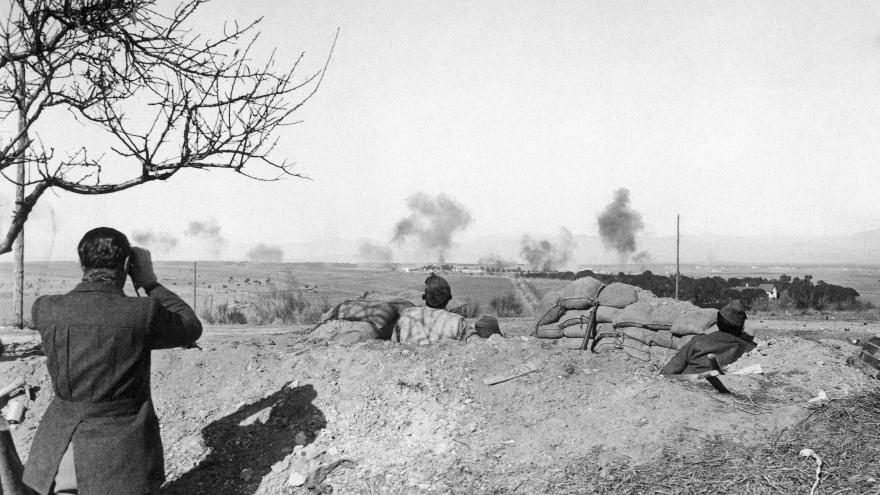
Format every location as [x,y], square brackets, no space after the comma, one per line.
[369,252]
[643,258]
[432,221]
[619,223]
[494,260]
[262,253]
[161,241]
[547,256]
[209,233]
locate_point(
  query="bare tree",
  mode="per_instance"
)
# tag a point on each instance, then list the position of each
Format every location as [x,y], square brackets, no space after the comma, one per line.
[165,96]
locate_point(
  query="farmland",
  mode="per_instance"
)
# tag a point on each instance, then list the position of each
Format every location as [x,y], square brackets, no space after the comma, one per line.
[231,283]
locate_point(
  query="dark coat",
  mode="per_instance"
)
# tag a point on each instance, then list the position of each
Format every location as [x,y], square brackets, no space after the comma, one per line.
[693,356]
[97,343]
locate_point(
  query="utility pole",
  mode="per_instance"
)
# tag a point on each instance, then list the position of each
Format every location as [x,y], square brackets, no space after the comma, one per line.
[18,245]
[677,250]
[195,282]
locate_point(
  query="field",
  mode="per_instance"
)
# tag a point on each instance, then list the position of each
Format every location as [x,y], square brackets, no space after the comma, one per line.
[231,283]
[269,410]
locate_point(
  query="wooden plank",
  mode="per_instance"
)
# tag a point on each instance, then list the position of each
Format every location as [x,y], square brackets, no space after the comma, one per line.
[520,370]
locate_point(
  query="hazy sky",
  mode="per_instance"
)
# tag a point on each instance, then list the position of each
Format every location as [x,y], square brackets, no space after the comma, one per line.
[747,118]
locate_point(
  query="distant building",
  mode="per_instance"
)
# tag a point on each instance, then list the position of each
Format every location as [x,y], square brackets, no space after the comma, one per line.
[473,271]
[770,289]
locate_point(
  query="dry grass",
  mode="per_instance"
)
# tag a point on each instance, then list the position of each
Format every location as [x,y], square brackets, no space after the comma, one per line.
[845,433]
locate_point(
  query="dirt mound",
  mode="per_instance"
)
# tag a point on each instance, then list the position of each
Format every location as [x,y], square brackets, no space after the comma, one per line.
[252,411]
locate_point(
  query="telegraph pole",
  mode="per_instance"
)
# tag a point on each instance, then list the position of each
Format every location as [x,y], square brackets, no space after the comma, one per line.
[677,250]
[195,282]
[18,245]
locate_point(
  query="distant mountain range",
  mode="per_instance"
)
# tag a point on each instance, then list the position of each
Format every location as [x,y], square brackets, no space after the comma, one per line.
[860,248]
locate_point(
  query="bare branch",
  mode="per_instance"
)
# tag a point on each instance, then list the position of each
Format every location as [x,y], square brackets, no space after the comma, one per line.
[199,103]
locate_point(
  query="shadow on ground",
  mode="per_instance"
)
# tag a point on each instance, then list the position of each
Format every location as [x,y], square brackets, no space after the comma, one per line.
[236,445]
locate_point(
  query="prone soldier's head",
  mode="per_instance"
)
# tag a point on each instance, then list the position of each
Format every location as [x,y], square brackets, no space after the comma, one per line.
[103,253]
[437,292]
[732,318]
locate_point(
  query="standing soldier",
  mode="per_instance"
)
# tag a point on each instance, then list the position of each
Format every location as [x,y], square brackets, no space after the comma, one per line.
[100,434]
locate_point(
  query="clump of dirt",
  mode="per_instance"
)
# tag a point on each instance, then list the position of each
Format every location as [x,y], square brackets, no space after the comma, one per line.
[270,411]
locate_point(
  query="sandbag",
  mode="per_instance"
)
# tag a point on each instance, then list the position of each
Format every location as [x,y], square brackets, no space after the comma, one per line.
[695,322]
[636,349]
[637,314]
[661,338]
[580,294]
[574,317]
[606,314]
[549,310]
[549,332]
[487,326]
[663,316]
[381,314]
[607,338]
[345,331]
[664,338]
[639,334]
[578,331]
[618,295]
[575,331]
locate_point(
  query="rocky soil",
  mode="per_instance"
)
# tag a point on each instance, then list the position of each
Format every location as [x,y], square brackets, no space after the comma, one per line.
[267,410]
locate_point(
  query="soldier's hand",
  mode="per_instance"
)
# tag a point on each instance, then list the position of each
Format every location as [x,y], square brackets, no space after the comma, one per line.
[141,268]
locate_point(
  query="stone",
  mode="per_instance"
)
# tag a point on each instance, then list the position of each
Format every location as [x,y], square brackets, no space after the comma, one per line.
[296,479]
[300,438]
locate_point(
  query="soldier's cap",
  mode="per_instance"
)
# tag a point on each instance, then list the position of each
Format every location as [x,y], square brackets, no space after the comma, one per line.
[734,313]
[437,291]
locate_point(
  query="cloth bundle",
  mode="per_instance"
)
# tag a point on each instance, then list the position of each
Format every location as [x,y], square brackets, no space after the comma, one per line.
[345,332]
[383,315]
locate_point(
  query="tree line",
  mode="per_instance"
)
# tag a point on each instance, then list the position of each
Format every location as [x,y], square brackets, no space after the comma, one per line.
[795,293]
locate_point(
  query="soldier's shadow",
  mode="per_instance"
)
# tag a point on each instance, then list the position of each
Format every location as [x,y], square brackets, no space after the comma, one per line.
[236,444]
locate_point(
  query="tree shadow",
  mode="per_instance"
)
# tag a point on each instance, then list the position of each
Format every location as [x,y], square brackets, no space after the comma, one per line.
[254,445]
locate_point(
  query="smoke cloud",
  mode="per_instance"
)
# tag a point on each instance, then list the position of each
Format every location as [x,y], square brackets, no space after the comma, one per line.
[369,252]
[161,241]
[494,260]
[261,253]
[208,232]
[618,224]
[432,221]
[643,258]
[545,255]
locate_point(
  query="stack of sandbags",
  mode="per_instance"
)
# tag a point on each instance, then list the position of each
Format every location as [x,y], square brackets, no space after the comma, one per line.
[628,318]
[662,322]
[380,315]
[566,313]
